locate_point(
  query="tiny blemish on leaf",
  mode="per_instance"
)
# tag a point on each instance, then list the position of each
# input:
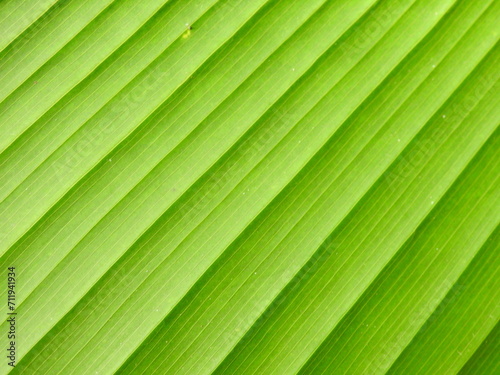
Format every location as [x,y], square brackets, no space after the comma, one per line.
[187,33]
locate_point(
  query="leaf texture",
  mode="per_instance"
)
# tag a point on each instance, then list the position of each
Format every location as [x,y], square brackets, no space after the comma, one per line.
[251,187]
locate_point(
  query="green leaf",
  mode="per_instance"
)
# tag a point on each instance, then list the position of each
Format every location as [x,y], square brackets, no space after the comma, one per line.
[251,187]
